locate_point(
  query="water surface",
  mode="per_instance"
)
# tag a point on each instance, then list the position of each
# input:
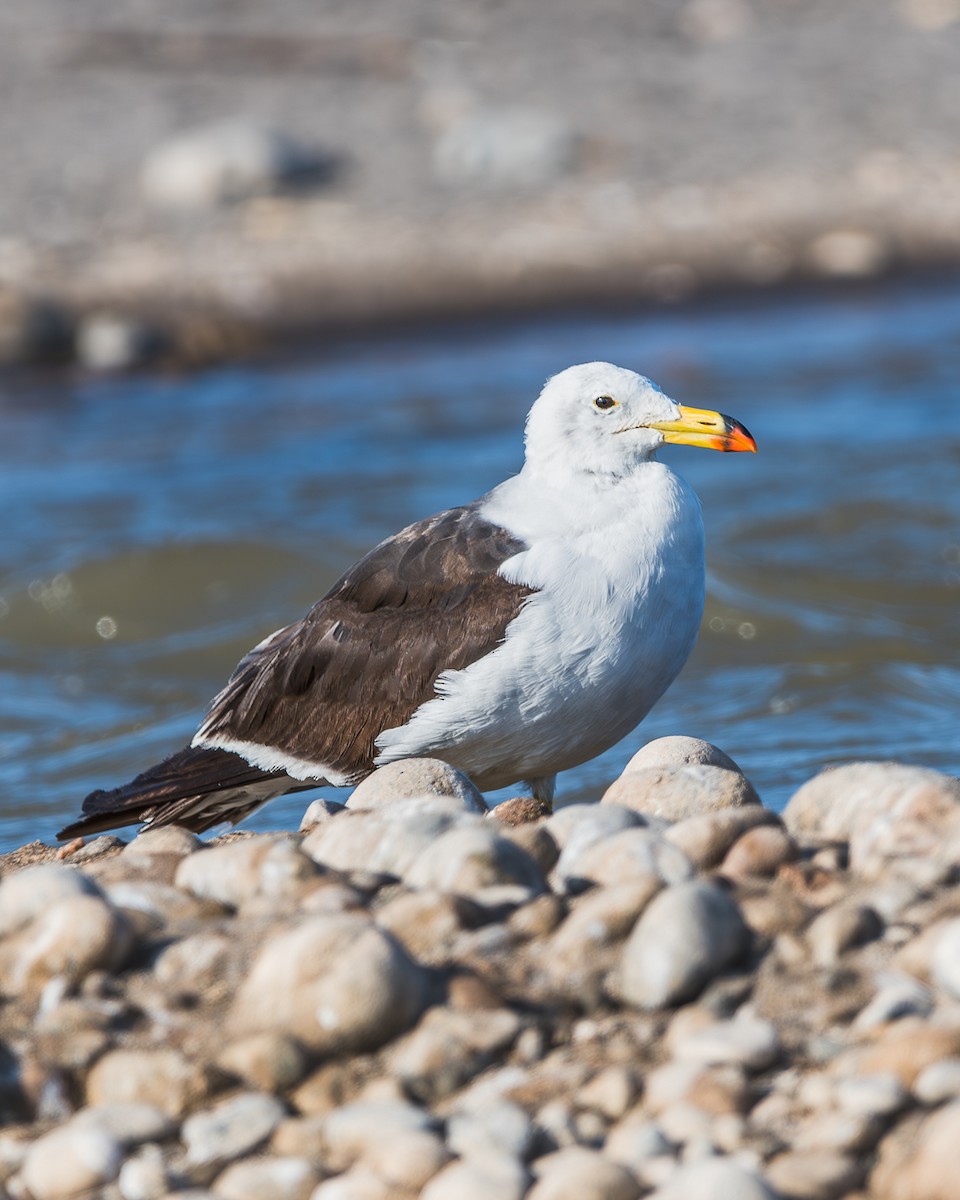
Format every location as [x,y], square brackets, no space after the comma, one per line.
[154,529]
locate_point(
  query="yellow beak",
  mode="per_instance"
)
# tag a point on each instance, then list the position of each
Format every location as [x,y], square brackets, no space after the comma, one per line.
[701,427]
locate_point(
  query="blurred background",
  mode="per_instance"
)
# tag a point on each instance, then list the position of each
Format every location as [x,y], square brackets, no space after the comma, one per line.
[275,281]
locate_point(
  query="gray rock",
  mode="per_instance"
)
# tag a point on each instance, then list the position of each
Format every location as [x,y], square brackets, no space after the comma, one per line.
[575,1173]
[508,148]
[677,792]
[466,860]
[128,1124]
[109,342]
[495,1178]
[337,983]
[207,167]
[276,1178]
[267,866]
[413,777]
[687,935]
[899,996]
[715,1179]
[576,826]
[231,1129]
[70,1161]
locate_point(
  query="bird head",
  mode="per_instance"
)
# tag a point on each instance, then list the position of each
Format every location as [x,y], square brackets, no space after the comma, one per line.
[601,419]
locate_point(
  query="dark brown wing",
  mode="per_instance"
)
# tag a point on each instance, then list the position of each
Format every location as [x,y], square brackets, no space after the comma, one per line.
[368,654]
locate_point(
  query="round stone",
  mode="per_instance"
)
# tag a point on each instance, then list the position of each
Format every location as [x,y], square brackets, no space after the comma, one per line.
[412,777]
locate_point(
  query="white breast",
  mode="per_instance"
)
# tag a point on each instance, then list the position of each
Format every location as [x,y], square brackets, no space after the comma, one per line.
[619,570]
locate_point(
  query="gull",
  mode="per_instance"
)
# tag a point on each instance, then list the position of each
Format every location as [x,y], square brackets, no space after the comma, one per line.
[513,637]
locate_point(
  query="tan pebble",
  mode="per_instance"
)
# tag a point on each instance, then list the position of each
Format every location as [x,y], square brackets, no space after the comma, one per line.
[720,1090]
[715,1179]
[627,856]
[318,812]
[678,792]
[521,810]
[299,1137]
[938,1082]
[165,839]
[337,983]
[635,1140]
[354,1130]
[28,894]
[813,1175]
[844,1131]
[276,1178]
[268,865]
[492,1178]
[918,1159]
[841,928]
[538,842]
[425,922]
[746,1040]
[538,918]
[269,1061]
[414,777]
[357,1184]
[467,992]
[448,1047]
[162,1078]
[194,965]
[467,859]
[575,1173]
[70,1161]
[677,751]
[907,1047]
[610,1092]
[231,1129]
[706,837]
[759,853]
[407,1160]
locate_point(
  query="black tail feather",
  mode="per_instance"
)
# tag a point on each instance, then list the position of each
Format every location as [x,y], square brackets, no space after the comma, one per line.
[185,789]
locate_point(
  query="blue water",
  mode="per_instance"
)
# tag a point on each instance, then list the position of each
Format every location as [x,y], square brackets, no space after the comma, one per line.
[155,528]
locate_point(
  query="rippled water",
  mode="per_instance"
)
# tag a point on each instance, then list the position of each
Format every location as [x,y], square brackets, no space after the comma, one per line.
[153,529]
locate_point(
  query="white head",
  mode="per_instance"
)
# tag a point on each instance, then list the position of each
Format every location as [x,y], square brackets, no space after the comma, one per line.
[599,419]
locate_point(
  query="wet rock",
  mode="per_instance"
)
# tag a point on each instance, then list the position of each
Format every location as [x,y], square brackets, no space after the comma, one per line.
[413,777]
[263,866]
[715,1179]
[66,941]
[575,1173]
[678,792]
[211,166]
[496,1178]
[276,1178]
[108,342]
[759,852]
[491,149]
[337,983]
[466,860]
[706,838]
[70,1161]
[161,1078]
[33,330]
[448,1048]
[887,812]
[230,1130]
[686,936]
[318,812]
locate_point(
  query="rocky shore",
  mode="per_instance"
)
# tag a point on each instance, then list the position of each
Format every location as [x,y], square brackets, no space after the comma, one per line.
[675,993]
[182,186]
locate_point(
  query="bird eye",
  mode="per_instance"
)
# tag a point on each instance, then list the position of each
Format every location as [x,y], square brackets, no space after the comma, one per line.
[604,403]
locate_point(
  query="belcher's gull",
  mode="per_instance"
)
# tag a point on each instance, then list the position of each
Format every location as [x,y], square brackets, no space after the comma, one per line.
[514,637]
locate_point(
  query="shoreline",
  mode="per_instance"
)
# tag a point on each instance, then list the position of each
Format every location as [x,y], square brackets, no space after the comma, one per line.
[673,992]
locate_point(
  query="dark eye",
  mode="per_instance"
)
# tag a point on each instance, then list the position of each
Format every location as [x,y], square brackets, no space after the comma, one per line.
[604,403]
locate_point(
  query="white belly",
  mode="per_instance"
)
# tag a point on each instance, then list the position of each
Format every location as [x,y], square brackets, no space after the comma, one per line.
[616,615]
